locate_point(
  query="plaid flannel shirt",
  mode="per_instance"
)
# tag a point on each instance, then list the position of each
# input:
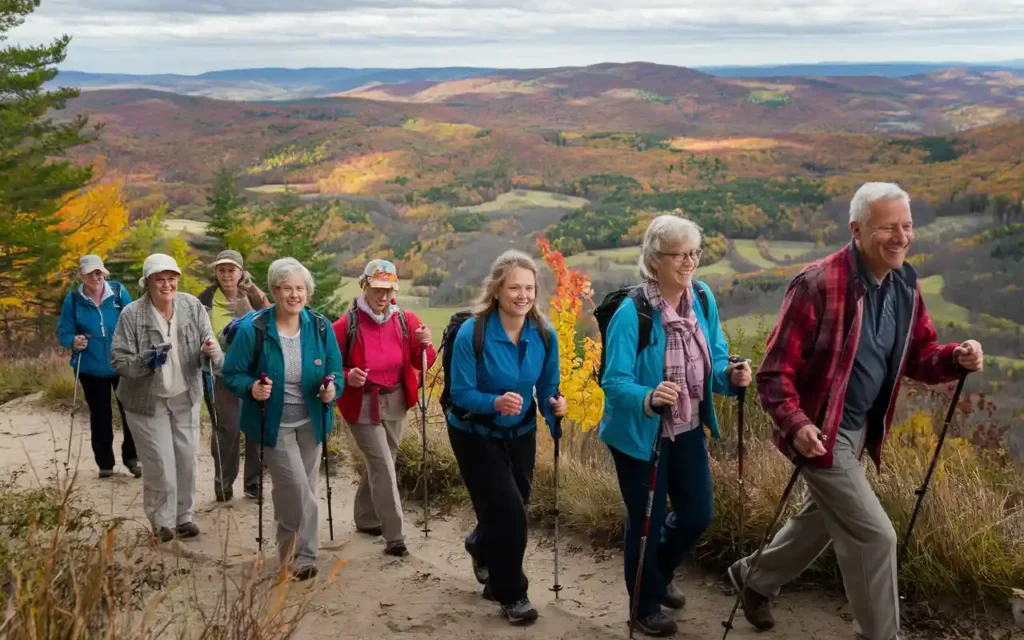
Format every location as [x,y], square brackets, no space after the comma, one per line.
[811,350]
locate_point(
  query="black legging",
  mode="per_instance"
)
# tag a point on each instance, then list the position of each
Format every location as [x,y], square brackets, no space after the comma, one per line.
[101,422]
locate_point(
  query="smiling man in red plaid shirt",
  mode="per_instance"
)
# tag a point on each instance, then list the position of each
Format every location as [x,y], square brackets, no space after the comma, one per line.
[851,326]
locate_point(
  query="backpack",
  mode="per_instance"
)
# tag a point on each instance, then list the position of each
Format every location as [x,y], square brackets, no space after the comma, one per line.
[118,303]
[353,322]
[259,326]
[604,312]
[447,344]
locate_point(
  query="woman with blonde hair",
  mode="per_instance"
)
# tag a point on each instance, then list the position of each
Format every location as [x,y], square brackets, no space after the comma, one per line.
[504,368]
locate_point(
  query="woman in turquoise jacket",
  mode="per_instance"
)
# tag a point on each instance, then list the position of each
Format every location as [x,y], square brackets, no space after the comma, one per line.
[296,348]
[88,316]
[663,394]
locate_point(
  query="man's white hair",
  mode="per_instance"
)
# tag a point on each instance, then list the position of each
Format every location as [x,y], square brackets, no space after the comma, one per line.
[665,229]
[872,192]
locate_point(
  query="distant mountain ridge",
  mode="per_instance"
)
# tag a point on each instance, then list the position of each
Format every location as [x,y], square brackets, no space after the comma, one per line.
[280,83]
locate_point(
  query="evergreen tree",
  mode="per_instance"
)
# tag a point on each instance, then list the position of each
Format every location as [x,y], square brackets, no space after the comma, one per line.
[34,180]
[293,232]
[226,203]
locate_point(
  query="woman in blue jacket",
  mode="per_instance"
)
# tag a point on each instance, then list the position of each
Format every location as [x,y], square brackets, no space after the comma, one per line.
[88,316]
[297,350]
[663,394]
[493,419]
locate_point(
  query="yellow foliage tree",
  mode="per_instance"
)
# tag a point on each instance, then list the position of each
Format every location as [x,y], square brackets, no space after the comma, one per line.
[579,360]
[95,221]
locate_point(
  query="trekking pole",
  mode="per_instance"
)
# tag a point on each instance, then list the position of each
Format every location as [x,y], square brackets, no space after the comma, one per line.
[74,409]
[329,378]
[423,437]
[741,401]
[647,522]
[259,493]
[764,540]
[923,489]
[216,425]
[558,429]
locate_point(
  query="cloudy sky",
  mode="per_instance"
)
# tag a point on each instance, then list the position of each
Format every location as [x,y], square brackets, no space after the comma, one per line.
[192,36]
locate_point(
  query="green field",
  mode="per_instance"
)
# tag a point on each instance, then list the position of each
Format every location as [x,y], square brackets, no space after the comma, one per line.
[526,198]
[175,226]
[941,310]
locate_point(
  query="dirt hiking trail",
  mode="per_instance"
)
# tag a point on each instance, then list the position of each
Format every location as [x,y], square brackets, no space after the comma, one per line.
[429,594]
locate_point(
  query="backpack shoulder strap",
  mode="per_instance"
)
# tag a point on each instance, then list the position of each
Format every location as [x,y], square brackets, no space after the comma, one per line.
[479,326]
[403,323]
[351,323]
[698,288]
[259,327]
[117,295]
[643,312]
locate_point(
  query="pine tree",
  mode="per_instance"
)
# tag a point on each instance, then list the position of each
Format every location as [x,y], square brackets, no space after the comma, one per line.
[34,181]
[293,233]
[226,203]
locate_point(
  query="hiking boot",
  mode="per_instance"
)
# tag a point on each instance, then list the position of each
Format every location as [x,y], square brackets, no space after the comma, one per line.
[674,598]
[106,473]
[371,531]
[756,607]
[480,570]
[397,549]
[164,534]
[488,594]
[134,467]
[519,612]
[188,530]
[657,625]
[252,492]
[224,496]
[305,573]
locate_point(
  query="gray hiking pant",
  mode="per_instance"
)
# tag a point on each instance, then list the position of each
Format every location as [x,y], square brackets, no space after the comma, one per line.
[226,441]
[293,465]
[842,510]
[167,446]
[377,502]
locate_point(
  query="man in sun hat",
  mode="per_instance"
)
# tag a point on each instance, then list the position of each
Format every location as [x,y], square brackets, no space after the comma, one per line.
[232,295]
[161,346]
[382,350]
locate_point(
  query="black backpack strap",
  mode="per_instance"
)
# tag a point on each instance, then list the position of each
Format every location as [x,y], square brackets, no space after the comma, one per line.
[703,295]
[479,327]
[117,295]
[259,327]
[643,312]
[403,323]
[350,330]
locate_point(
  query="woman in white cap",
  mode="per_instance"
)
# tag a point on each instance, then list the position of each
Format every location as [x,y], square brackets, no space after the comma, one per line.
[288,410]
[232,295]
[383,348]
[87,320]
[159,347]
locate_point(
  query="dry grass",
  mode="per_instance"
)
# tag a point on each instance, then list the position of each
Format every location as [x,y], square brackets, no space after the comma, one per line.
[68,573]
[48,372]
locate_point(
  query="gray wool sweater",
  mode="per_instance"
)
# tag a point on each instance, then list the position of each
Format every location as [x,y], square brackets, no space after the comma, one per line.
[136,335]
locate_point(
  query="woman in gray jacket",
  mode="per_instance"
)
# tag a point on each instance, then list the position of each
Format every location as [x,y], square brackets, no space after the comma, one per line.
[158,349]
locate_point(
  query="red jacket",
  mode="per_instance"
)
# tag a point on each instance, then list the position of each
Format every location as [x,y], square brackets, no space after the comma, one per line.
[351,399]
[811,350]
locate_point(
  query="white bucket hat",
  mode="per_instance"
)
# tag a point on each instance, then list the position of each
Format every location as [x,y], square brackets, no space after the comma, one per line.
[155,264]
[89,263]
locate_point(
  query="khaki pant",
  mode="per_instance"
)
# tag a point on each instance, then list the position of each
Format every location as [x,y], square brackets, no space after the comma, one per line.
[293,465]
[842,510]
[166,443]
[377,502]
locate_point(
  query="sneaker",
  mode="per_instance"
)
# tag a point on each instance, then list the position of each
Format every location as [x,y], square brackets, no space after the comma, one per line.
[480,570]
[657,625]
[519,612]
[756,607]
[135,467]
[674,598]
[188,530]
[165,534]
[106,473]
[371,531]
[305,573]
[396,549]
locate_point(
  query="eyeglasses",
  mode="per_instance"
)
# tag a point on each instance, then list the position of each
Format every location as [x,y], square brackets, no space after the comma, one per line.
[678,257]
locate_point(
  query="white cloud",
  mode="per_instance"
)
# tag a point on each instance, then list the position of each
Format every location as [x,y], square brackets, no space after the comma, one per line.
[169,35]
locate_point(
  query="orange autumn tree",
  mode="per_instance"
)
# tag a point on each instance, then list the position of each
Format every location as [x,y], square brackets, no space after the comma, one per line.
[579,365]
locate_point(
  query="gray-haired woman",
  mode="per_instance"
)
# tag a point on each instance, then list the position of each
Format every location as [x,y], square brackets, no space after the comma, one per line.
[159,348]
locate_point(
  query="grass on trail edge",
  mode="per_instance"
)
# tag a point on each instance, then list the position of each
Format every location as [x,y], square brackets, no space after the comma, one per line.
[968,542]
